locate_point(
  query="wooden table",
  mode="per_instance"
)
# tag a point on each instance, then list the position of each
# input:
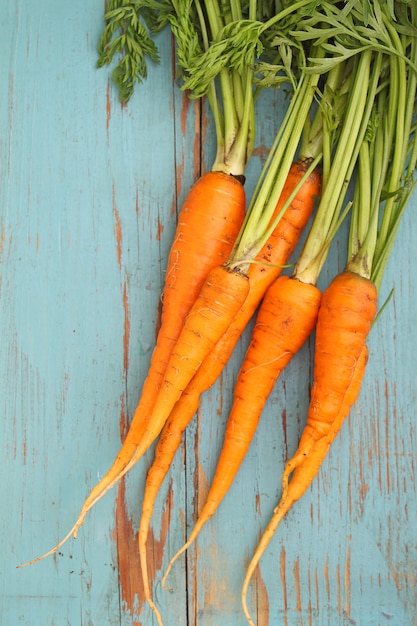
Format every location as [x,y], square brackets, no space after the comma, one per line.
[89,196]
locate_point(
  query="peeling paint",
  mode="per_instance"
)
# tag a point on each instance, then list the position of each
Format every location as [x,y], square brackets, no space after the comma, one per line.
[216,591]
[159,230]
[297,584]
[126,329]
[108,104]
[117,229]
[262,600]
[283,575]
[339,589]
[2,238]
[309,607]
[155,547]
[123,421]
[326,578]
[185,106]
[200,480]
[130,576]
[346,605]
[261,152]
[258,504]
[179,172]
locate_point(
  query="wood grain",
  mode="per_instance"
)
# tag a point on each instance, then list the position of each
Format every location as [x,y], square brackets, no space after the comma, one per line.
[89,196]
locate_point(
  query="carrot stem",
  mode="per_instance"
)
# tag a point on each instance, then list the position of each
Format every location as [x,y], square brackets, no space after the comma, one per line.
[257,226]
[391,149]
[314,253]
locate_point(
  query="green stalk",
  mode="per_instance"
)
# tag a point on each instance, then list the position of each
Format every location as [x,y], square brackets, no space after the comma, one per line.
[373,164]
[396,121]
[212,96]
[313,134]
[244,139]
[230,117]
[255,231]
[237,91]
[406,164]
[357,114]
[330,112]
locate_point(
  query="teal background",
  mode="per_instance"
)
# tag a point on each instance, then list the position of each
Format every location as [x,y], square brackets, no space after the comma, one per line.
[89,193]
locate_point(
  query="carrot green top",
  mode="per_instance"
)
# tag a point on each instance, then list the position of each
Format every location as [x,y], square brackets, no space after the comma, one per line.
[331,53]
[388,155]
[357,39]
[219,46]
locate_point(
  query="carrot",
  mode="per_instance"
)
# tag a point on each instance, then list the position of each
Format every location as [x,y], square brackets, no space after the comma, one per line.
[285,320]
[208,224]
[346,314]
[220,299]
[347,310]
[235,131]
[348,307]
[198,336]
[384,184]
[304,475]
[262,375]
[261,275]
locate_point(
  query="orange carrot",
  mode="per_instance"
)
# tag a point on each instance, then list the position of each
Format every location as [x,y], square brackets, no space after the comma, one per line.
[261,275]
[208,224]
[304,474]
[220,299]
[347,310]
[346,314]
[285,320]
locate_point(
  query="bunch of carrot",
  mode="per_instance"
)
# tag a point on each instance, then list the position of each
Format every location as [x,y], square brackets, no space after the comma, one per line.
[202,292]
[225,263]
[385,180]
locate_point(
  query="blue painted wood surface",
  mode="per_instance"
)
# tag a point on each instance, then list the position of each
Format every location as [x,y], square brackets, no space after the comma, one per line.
[88,199]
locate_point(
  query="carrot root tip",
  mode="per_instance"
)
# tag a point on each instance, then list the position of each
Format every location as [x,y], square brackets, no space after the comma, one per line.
[155,612]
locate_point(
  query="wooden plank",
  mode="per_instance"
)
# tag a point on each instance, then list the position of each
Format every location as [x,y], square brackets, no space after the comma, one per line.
[89,196]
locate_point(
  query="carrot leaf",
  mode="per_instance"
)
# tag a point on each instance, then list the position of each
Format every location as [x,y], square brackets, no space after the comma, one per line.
[388,157]
[126,36]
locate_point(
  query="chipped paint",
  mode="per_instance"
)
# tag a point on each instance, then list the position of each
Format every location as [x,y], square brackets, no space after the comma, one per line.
[108,104]
[179,172]
[283,577]
[2,238]
[159,230]
[128,564]
[123,420]
[126,539]
[297,585]
[185,107]
[262,600]
[347,582]
[214,586]
[156,547]
[126,328]
[327,578]
[117,229]
[261,152]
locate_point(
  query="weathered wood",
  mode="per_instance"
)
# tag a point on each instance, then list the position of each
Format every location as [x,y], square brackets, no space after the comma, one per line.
[88,200]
